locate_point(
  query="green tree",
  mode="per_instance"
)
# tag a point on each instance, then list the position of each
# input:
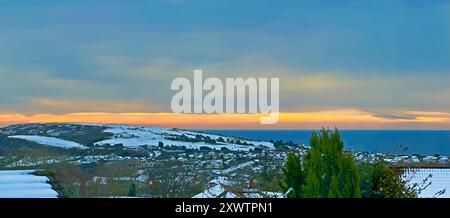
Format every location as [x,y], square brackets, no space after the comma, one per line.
[132,191]
[334,192]
[329,171]
[326,172]
[293,176]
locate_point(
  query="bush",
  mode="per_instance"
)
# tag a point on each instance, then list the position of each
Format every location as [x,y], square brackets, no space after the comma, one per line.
[380,181]
[45,172]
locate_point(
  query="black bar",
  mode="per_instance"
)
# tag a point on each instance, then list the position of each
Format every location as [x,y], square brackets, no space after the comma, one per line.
[284,207]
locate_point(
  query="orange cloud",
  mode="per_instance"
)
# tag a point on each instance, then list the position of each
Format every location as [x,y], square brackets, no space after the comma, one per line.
[343,118]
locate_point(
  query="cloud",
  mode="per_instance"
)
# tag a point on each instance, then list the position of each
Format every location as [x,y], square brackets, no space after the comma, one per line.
[396,116]
[67,57]
[61,106]
[17,85]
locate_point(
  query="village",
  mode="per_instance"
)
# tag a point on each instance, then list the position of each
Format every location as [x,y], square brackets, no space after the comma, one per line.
[152,162]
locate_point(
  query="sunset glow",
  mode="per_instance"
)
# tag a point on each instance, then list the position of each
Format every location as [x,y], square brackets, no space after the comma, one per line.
[336,66]
[345,118]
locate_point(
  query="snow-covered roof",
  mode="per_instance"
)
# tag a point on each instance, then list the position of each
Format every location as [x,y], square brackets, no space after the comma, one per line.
[264,194]
[221,180]
[142,178]
[217,191]
[213,192]
[220,191]
[22,184]
[435,181]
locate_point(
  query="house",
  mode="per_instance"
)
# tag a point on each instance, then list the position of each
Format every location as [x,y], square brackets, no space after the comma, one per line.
[222,180]
[24,184]
[228,189]
[217,191]
[142,178]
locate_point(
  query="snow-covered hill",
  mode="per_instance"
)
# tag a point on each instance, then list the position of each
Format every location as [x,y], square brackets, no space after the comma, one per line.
[61,135]
[132,136]
[52,141]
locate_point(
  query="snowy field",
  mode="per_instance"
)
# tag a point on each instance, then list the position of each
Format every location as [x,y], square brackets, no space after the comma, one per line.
[52,141]
[21,184]
[133,136]
[436,181]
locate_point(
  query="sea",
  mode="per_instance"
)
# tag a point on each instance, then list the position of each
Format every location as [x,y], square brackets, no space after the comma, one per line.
[421,142]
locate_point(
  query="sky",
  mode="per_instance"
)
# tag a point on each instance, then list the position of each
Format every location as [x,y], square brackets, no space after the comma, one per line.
[359,64]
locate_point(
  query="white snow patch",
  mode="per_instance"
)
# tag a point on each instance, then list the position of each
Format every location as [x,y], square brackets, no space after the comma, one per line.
[234,168]
[134,136]
[52,141]
[215,192]
[22,184]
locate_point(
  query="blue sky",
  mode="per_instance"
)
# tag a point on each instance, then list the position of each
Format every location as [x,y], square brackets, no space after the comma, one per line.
[378,56]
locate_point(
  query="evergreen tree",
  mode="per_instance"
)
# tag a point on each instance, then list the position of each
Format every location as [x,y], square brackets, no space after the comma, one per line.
[312,190]
[334,188]
[132,191]
[329,171]
[293,176]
